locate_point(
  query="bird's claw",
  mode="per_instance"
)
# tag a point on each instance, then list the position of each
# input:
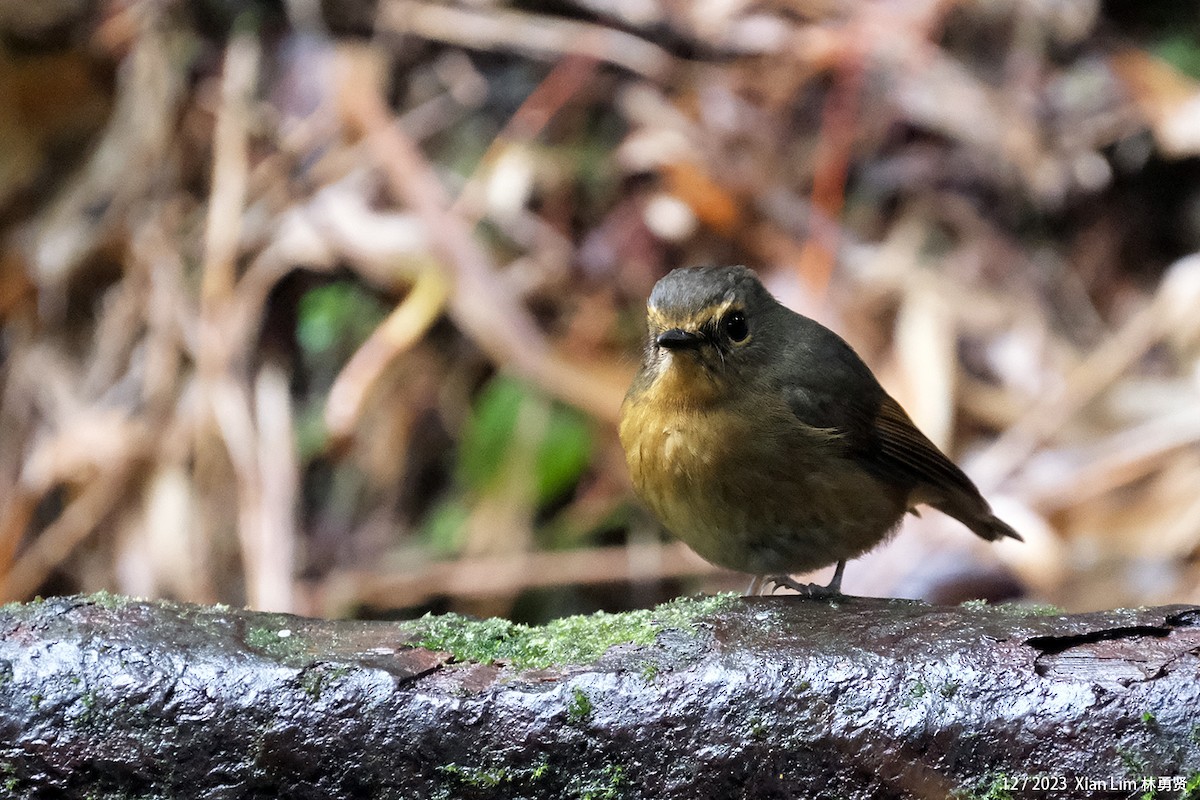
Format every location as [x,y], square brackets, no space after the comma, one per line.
[805,589]
[833,589]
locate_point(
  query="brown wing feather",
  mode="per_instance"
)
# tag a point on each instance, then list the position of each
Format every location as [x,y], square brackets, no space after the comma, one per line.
[903,448]
[938,481]
[870,426]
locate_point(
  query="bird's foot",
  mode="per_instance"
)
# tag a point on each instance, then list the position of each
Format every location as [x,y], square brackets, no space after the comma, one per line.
[832,589]
[806,589]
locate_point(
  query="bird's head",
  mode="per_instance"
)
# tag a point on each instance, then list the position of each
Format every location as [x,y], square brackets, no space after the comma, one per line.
[709,329]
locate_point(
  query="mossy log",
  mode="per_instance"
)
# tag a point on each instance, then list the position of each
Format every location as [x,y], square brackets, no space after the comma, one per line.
[102,697]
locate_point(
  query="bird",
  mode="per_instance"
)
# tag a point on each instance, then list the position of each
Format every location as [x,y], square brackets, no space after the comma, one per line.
[760,438]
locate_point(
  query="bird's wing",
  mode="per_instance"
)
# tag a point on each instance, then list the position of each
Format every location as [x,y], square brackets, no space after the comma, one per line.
[939,481]
[847,419]
[904,450]
[876,432]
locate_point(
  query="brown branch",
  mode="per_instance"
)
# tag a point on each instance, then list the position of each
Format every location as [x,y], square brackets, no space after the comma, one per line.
[536,35]
[76,522]
[481,304]
[762,697]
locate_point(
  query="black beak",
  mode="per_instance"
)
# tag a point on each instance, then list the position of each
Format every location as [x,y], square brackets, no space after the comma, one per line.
[678,339]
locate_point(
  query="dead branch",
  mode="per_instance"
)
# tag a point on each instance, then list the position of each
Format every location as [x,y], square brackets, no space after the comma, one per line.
[764,697]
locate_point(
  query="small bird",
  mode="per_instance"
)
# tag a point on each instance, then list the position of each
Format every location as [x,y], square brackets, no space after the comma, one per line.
[762,440]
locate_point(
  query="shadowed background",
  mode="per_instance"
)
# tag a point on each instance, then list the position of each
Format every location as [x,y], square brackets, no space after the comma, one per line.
[329,307]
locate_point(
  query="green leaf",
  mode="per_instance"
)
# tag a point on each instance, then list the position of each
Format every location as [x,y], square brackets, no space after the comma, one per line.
[565,452]
[1181,51]
[339,315]
[444,526]
[488,437]
[561,443]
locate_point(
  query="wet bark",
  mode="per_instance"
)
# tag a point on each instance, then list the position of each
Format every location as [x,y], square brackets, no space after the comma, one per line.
[768,697]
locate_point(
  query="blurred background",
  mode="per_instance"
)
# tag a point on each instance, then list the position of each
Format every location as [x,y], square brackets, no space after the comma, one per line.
[329,307]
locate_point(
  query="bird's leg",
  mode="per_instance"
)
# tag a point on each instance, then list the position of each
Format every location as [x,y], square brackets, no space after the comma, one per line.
[756,585]
[833,588]
[835,583]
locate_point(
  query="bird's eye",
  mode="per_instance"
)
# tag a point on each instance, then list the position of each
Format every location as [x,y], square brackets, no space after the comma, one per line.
[734,324]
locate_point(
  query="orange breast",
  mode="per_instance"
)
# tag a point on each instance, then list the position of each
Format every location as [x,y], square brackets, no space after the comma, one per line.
[750,488]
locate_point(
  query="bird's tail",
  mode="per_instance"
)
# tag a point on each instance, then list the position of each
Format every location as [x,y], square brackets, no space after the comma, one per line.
[976,514]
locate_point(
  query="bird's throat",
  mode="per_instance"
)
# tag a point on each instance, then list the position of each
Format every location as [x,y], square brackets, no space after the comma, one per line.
[683,381]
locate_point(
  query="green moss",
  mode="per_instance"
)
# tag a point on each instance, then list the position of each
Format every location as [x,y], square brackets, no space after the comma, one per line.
[1032,609]
[108,600]
[16,605]
[994,788]
[579,707]
[1133,763]
[570,640]
[949,690]
[591,784]
[1149,719]
[36,700]
[605,786]
[1019,609]
[476,777]
[757,728]
[490,777]
[278,640]
[261,638]
[916,692]
[314,679]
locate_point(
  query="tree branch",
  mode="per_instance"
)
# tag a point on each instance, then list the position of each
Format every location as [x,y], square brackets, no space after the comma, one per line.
[725,697]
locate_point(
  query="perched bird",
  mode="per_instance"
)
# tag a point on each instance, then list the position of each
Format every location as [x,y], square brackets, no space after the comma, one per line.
[762,440]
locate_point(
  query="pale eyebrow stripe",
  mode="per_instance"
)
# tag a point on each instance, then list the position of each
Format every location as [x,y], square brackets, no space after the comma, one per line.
[710,312]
